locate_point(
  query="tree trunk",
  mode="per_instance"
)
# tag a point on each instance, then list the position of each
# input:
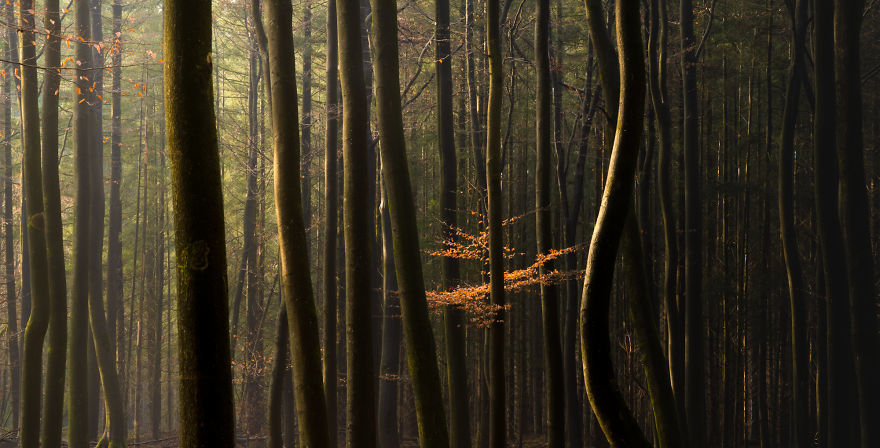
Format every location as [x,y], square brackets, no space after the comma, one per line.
[611,411]
[842,399]
[855,215]
[544,230]
[8,230]
[417,332]
[794,269]
[389,368]
[497,408]
[32,177]
[330,223]
[205,388]
[57,343]
[301,314]
[695,369]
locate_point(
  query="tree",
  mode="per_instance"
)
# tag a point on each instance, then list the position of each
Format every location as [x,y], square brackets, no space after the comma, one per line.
[695,368]
[544,228]
[357,216]
[77,341]
[453,318]
[854,214]
[32,177]
[794,270]
[417,332]
[301,314]
[842,399]
[497,392]
[330,222]
[202,312]
[611,411]
[57,344]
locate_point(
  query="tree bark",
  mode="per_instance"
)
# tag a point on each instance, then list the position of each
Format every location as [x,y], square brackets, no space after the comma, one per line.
[330,222]
[205,388]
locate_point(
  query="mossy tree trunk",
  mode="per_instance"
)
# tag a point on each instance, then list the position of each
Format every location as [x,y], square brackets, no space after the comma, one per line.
[205,390]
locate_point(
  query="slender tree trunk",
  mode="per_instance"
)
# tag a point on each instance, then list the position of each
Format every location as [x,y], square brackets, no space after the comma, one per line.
[38,320]
[497,407]
[389,368]
[276,386]
[453,318]
[306,123]
[855,215]
[695,369]
[417,332]
[57,343]
[301,314]
[115,311]
[330,222]
[794,269]
[544,227]
[205,388]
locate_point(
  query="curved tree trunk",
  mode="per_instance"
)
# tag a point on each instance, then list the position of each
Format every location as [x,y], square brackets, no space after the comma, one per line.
[611,411]
[205,388]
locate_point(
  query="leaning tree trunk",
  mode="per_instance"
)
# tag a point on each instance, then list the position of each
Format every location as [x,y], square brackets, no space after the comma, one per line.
[205,388]
[301,314]
[35,331]
[57,343]
[417,333]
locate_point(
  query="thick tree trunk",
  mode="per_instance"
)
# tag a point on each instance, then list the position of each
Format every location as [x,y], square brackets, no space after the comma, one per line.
[205,388]
[301,313]
[855,215]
